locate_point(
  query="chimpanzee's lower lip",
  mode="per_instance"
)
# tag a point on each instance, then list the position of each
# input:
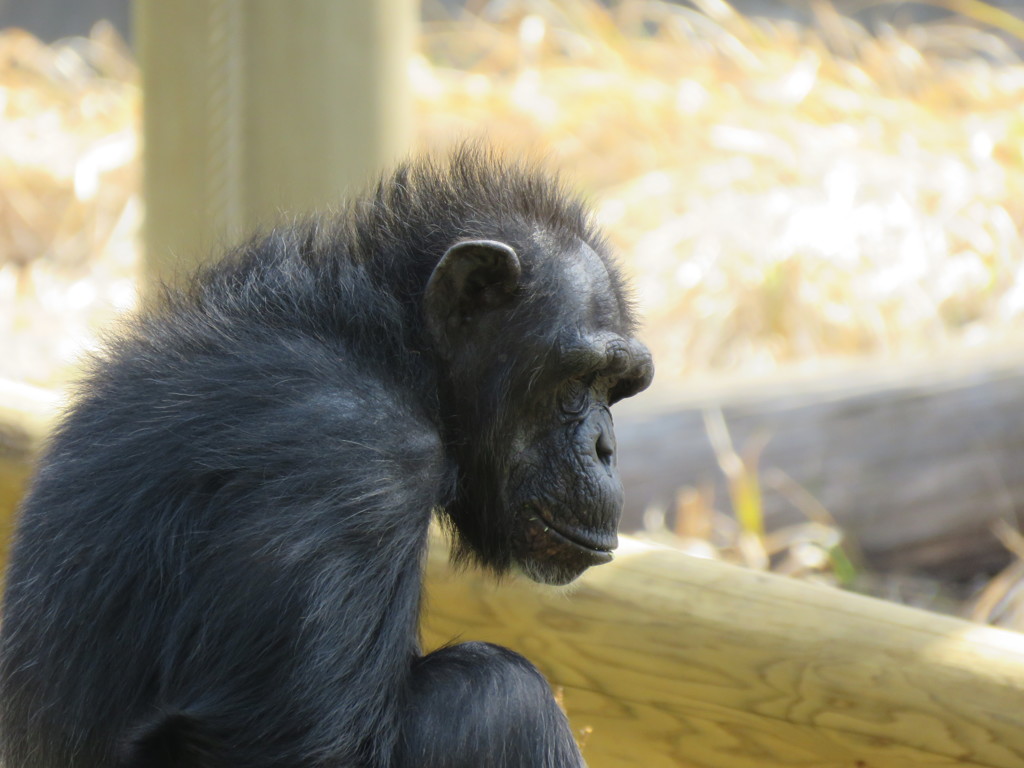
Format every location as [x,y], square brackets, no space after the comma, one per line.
[578,540]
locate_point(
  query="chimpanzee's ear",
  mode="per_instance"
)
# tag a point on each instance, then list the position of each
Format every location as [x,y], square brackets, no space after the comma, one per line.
[472,277]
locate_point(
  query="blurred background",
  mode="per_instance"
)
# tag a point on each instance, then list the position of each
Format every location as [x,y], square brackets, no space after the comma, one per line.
[821,204]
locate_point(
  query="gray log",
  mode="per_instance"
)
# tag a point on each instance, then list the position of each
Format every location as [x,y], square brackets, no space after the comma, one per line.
[915,468]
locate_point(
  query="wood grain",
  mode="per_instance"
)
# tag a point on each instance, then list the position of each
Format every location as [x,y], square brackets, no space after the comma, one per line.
[674,661]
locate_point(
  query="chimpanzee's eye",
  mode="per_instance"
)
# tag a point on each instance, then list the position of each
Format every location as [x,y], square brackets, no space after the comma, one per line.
[576,396]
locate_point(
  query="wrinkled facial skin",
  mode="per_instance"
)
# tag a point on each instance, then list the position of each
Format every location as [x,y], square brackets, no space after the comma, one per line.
[564,489]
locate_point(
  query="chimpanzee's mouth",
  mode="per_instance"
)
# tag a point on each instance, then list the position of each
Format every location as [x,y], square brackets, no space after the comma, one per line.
[597,546]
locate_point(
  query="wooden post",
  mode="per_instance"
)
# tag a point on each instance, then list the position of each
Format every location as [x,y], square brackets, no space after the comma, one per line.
[256,110]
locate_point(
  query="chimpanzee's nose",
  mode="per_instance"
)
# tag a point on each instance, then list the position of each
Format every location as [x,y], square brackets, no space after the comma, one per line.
[604,445]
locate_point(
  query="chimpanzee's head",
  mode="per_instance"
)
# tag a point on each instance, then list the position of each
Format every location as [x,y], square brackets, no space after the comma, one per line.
[535,333]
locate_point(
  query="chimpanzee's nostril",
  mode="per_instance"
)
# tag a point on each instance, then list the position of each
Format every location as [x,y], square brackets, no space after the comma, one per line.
[605,447]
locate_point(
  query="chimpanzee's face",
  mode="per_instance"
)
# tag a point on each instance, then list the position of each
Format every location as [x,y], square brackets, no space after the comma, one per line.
[563,489]
[537,361]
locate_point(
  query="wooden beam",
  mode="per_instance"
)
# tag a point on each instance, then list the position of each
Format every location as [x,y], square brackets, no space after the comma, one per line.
[255,110]
[674,661]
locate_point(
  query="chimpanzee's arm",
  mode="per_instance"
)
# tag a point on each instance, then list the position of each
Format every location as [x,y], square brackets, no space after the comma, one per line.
[478,704]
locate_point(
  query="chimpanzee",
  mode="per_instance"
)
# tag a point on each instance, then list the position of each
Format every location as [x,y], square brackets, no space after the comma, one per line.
[219,563]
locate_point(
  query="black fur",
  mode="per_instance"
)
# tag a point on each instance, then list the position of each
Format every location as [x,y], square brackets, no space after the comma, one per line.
[220,559]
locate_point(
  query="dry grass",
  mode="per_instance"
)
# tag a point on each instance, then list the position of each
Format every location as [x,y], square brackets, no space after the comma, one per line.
[783,194]
[69,197]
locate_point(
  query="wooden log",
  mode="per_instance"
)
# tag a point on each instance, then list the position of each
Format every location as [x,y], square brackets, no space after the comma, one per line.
[674,661]
[26,413]
[916,465]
